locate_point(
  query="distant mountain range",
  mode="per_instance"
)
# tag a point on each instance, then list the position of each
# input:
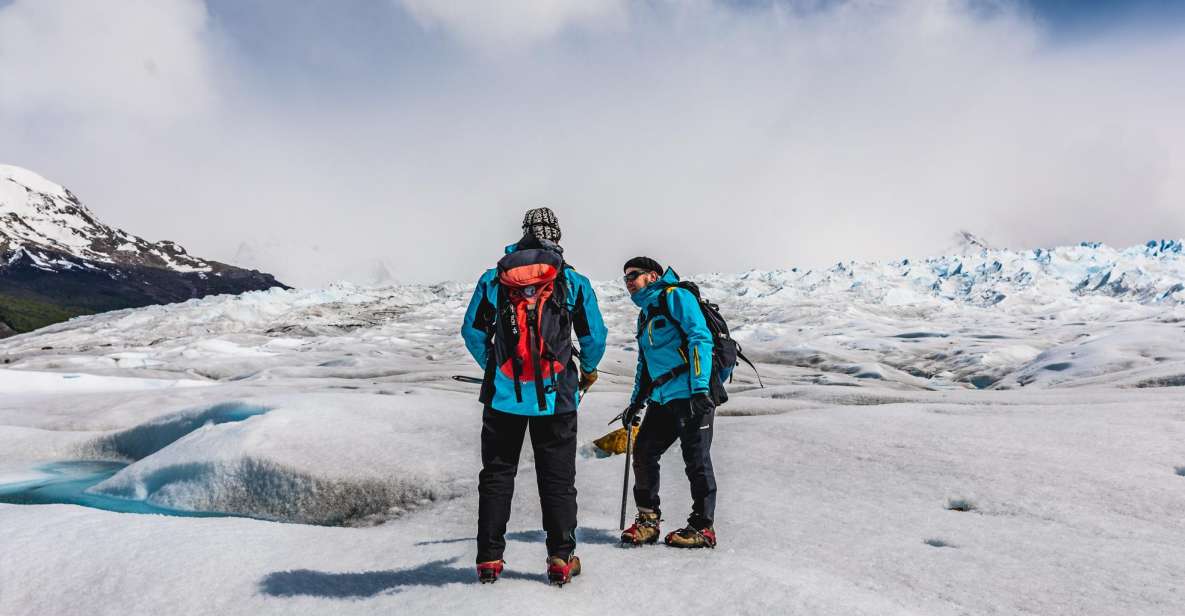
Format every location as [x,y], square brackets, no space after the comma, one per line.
[308,265]
[58,261]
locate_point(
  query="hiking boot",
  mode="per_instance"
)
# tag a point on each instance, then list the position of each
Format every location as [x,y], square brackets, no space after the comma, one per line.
[488,572]
[692,537]
[561,571]
[644,530]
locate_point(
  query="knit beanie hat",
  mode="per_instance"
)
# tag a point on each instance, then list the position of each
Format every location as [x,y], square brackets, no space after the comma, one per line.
[542,223]
[645,263]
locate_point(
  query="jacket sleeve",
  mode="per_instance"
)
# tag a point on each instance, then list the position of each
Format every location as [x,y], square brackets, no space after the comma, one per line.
[478,317]
[686,311]
[638,374]
[587,323]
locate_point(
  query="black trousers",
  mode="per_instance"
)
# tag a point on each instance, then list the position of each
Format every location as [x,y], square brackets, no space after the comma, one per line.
[553,437]
[662,425]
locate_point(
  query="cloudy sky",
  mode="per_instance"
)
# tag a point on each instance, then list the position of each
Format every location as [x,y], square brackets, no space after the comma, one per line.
[713,135]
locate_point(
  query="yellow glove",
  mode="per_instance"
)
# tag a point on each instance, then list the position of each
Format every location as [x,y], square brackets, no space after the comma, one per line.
[615,441]
[587,379]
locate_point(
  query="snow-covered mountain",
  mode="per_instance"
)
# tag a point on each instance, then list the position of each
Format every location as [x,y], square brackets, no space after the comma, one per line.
[303,264]
[58,259]
[966,242]
[47,224]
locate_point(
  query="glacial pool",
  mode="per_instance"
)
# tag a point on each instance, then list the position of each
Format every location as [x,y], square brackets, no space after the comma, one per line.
[67,483]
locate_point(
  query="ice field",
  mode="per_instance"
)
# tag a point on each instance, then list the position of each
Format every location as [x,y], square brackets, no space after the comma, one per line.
[992,432]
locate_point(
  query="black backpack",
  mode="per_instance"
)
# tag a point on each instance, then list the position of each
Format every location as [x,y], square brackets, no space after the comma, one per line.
[725,350]
[531,334]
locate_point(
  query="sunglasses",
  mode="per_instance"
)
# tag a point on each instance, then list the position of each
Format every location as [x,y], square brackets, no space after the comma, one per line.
[632,276]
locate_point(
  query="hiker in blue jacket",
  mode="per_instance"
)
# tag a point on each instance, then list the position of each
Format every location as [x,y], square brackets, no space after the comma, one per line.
[672,382]
[519,328]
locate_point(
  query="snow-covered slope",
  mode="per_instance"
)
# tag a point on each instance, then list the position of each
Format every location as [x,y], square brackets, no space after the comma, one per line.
[57,259]
[47,224]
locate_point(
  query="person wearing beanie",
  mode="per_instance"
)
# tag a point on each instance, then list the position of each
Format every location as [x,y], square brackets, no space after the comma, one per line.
[519,328]
[672,383]
[541,223]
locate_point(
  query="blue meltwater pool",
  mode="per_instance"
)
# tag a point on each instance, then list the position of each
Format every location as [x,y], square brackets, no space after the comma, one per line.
[67,482]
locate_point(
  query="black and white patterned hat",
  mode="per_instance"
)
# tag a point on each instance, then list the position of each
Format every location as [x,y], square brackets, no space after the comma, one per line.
[542,223]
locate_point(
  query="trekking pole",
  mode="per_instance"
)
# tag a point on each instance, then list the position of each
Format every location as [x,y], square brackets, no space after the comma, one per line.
[625,484]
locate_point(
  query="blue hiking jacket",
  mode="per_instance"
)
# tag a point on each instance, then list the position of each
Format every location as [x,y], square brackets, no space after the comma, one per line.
[660,346]
[587,324]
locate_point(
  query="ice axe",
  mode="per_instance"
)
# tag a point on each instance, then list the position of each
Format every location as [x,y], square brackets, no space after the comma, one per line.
[625,482]
[629,418]
[629,450]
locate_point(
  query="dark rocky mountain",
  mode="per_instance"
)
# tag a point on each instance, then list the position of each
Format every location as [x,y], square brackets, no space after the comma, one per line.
[57,260]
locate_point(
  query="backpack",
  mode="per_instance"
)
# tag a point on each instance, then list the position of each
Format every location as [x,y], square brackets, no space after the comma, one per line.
[532,329]
[725,350]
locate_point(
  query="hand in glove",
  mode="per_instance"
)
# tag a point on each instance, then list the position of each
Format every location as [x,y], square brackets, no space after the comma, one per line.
[629,417]
[587,379]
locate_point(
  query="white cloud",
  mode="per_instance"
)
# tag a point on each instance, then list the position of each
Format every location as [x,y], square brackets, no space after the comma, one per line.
[514,23]
[863,129]
[143,58]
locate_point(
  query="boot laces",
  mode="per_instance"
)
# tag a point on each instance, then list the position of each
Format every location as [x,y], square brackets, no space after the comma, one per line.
[648,520]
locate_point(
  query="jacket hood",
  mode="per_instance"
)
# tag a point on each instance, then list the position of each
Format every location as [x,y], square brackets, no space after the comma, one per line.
[530,241]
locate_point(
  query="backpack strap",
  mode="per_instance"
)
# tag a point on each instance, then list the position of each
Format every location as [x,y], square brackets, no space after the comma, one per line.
[505,310]
[533,342]
[742,357]
[665,311]
[649,385]
[663,300]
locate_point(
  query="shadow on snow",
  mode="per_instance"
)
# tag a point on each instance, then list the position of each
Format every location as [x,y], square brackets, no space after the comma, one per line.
[354,585]
[305,582]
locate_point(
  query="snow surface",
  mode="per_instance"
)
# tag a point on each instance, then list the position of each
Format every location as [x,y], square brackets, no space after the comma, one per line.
[921,446]
[26,178]
[25,382]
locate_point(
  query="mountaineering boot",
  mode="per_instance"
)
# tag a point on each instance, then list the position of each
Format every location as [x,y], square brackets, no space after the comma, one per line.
[488,572]
[692,537]
[560,571]
[644,530]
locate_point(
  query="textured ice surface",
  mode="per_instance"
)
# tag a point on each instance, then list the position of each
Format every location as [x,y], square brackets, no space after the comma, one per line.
[922,446]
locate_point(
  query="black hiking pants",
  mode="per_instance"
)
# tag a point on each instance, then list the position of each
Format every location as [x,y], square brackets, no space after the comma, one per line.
[553,438]
[662,425]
